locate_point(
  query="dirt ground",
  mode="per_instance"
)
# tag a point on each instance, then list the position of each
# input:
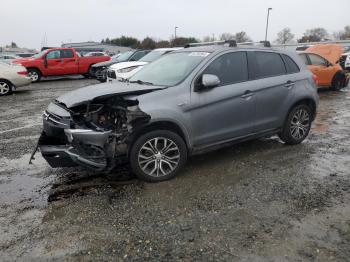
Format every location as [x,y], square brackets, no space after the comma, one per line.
[256,201]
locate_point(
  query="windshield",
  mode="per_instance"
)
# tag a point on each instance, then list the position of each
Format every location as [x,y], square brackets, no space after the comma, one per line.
[115,57]
[39,54]
[152,56]
[125,56]
[169,70]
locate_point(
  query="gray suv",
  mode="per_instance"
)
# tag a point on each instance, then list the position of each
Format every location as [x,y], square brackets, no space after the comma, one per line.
[188,102]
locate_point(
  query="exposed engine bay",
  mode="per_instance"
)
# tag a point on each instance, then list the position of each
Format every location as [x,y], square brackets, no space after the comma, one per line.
[98,134]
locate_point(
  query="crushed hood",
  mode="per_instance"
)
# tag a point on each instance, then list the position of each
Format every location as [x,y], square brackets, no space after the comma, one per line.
[128,64]
[331,52]
[105,63]
[89,93]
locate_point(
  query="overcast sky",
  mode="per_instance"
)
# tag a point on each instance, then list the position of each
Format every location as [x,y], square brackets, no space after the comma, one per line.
[27,21]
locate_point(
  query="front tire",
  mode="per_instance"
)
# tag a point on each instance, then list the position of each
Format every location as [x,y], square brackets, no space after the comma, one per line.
[5,88]
[297,126]
[158,155]
[34,75]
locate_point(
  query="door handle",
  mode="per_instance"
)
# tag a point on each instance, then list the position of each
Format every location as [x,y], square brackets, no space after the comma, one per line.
[247,94]
[289,84]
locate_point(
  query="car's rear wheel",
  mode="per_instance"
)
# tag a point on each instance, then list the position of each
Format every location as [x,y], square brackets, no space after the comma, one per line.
[158,155]
[34,75]
[297,125]
[5,88]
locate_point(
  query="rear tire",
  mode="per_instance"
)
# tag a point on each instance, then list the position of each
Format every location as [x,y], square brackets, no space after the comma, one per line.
[5,88]
[34,75]
[158,155]
[337,84]
[297,125]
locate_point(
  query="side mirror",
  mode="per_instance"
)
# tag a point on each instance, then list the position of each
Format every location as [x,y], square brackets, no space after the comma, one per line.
[210,81]
[207,81]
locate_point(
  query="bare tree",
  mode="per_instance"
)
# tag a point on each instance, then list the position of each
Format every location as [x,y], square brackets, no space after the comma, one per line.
[209,38]
[227,36]
[242,37]
[314,35]
[284,36]
[346,34]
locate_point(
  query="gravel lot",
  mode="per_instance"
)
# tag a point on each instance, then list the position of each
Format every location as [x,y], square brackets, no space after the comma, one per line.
[257,201]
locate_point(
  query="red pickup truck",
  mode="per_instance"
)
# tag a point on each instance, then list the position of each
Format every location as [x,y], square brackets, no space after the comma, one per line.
[58,62]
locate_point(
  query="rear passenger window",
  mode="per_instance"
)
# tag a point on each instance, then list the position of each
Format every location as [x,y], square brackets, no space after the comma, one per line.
[67,54]
[230,68]
[269,64]
[316,60]
[291,66]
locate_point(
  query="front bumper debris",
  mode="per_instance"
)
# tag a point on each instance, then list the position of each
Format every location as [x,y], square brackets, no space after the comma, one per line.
[84,147]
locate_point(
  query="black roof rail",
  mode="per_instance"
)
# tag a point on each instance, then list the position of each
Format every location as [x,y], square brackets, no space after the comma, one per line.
[231,43]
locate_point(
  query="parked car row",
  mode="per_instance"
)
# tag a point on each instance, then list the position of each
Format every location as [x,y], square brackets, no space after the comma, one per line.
[124,70]
[99,70]
[186,102]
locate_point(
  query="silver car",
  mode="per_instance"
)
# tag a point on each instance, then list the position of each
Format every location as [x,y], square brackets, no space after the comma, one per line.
[12,77]
[187,102]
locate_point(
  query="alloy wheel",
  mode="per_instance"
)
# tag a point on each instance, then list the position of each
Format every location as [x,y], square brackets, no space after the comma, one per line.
[300,124]
[34,76]
[4,88]
[159,156]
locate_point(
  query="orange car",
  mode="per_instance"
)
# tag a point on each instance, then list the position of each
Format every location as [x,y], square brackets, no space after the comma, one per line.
[322,60]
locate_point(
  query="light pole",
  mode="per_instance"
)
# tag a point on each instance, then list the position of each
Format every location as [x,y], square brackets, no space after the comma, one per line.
[175,31]
[267,22]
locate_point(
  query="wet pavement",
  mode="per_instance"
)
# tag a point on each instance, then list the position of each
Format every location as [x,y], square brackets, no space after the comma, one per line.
[256,201]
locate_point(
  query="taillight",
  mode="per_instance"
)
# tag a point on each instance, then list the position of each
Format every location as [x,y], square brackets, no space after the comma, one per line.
[22,72]
[314,77]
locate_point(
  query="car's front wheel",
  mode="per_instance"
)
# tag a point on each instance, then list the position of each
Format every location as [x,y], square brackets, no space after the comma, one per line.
[297,126]
[5,88]
[158,155]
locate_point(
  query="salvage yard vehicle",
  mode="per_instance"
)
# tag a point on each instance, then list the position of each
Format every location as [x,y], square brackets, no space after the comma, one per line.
[323,61]
[125,70]
[12,77]
[99,70]
[58,62]
[190,101]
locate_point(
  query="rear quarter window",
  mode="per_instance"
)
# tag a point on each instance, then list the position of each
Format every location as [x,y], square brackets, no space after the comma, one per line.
[291,66]
[269,64]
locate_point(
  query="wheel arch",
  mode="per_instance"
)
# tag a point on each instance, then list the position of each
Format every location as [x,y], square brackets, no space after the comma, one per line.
[307,101]
[35,68]
[161,125]
[338,75]
[12,86]
[6,80]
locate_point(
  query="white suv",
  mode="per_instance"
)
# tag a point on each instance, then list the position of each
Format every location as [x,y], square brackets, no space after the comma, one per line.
[125,70]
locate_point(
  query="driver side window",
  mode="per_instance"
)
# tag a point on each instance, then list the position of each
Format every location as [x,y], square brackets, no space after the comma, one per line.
[230,68]
[317,60]
[56,54]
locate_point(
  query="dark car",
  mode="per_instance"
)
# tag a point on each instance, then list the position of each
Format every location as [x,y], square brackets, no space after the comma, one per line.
[187,102]
[99,70]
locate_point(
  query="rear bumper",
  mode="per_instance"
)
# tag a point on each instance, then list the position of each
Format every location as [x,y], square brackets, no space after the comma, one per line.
[21,81]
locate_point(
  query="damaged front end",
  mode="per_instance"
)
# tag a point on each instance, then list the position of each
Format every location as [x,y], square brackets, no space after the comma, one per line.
[95,134]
